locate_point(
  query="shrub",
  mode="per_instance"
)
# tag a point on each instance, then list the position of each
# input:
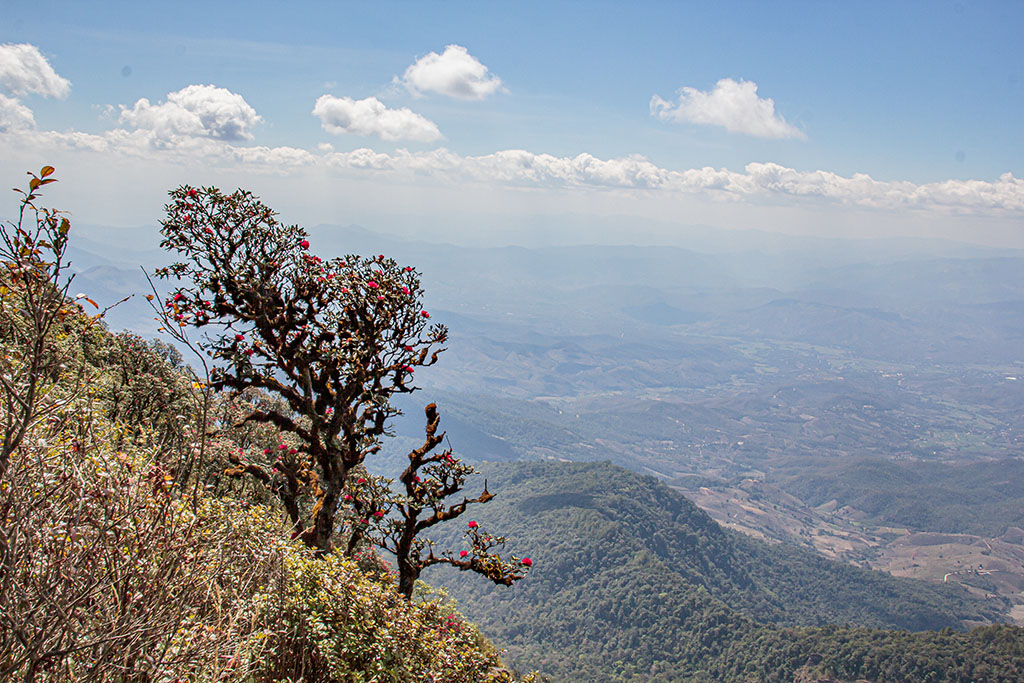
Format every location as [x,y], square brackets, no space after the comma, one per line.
[330,622]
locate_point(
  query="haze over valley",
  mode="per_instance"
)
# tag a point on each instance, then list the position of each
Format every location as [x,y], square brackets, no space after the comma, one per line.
[862,399]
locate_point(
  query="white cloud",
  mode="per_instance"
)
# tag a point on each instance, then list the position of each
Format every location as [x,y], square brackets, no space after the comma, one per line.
[454,73]
[194,111]
[370,117]
[732,105]
[14,116]
[24,70]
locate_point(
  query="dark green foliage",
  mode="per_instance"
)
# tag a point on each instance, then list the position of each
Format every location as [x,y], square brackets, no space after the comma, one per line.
[994,654]
[633,582]
[973,498]
[818,591]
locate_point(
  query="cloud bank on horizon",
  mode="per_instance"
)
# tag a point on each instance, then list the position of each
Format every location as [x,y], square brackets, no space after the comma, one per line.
[215,126]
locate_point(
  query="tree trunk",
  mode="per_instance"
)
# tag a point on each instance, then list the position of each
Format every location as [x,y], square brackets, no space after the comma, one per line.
[408,570]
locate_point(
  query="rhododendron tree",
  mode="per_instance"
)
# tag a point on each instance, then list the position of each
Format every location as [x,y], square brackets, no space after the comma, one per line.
[335,339]
[395,521]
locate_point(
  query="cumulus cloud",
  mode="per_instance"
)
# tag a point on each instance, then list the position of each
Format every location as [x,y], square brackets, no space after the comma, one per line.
[194,111]
[14,116]
[734,105]
[454,73]
[24,70]
[370,117]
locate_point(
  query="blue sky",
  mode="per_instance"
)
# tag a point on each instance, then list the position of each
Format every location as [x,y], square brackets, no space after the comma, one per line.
[854,119]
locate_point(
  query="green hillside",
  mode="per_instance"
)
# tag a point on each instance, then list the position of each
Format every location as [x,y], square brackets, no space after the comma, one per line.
[972,498]
[633,582]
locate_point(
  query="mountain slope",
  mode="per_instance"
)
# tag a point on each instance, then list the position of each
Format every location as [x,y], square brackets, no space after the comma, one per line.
[633,581]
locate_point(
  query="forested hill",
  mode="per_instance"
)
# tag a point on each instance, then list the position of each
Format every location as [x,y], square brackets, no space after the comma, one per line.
[633,582]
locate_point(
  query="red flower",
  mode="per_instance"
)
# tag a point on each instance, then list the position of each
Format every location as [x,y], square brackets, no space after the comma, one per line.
[463,553]
[380,298]
[292,451]
[267,451]
[408,269]
[407,348]
[179,296]
[348,497]
[378,514]
[405,290]
[283,446]
[473,525]
[304,244]
[408,368]
[249,352]
[360,480]
[424,314]
[527,561]
[239,337]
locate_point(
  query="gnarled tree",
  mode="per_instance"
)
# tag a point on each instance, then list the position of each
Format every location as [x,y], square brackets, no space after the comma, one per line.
[335,339]
[396,521]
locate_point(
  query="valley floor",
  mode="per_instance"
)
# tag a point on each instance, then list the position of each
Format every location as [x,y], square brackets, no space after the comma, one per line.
[986,566]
